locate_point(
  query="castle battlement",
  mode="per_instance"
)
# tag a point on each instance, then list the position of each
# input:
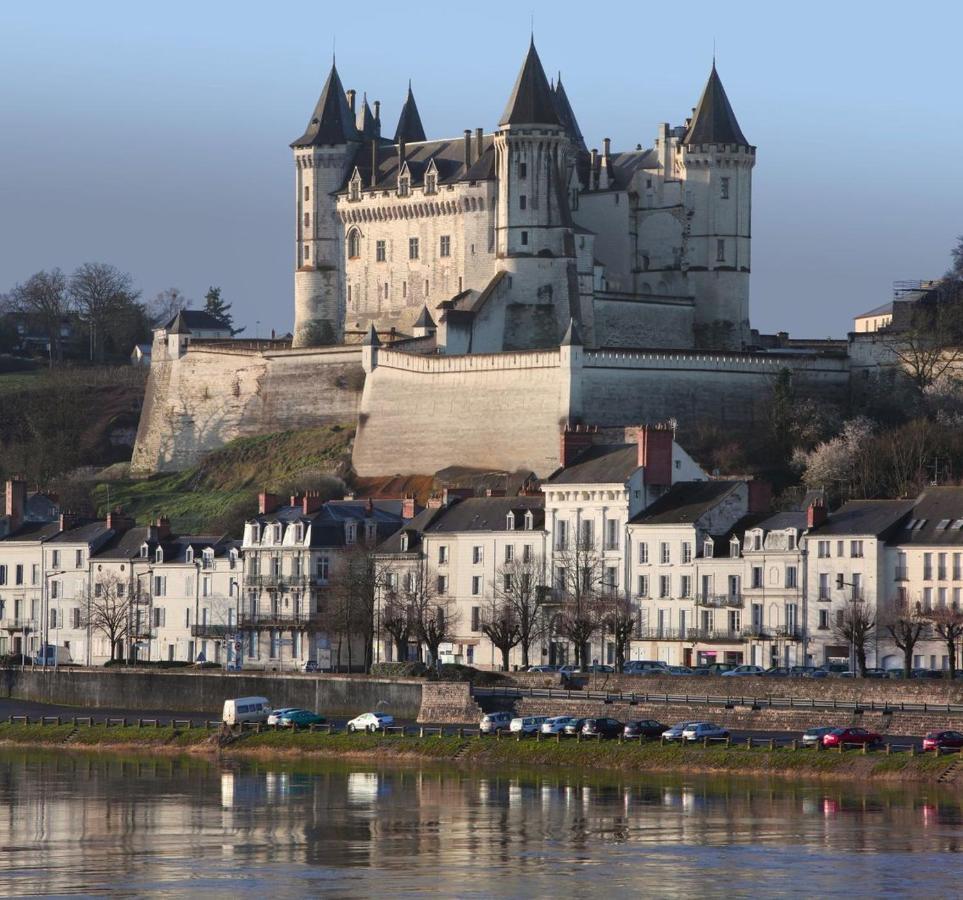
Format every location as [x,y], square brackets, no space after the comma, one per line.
[469,362]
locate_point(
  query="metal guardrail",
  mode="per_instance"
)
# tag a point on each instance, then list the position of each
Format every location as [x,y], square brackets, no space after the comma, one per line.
[727,701]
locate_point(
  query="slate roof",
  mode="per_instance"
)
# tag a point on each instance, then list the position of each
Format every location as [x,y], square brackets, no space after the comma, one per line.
[415,529]
[34,531]
[331,122]
[188,320]
[327,523]
[425,320]
[864,517]
[83,533]
[884,310]
[600,464]
[489,514]
[714,121]
[409,122]
[532,101]
[366,124]
[126,545]
[937,519]
[783,520]
[685,502]
[566,115]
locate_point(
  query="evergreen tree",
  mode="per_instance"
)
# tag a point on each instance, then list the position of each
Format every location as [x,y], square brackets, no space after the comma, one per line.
[215,305]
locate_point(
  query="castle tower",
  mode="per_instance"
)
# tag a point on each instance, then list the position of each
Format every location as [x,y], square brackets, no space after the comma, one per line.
[716,166]
[322,156]
[533,232]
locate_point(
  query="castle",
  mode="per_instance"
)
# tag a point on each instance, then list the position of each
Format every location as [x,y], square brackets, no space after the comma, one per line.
[463,300]
[497,240]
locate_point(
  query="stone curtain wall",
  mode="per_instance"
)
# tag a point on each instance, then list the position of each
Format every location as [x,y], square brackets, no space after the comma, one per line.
[449,702]
[214,394]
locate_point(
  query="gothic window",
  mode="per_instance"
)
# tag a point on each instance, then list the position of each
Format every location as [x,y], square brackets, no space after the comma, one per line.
[354,243]
[724,193]
[720,250]
[307,252]
[412,248]
[380,251]
[404,186]
[445,249]
[431,183]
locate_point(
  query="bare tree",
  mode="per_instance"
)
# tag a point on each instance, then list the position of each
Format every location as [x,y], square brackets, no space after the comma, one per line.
[109,611]
[353,594]
[929,345]
[856,625]
[620,621]
[435,614]
[500,625]
[519,587]
[167,304]
[906,626]
[106,299]
[397,622]
[44,298]
[578,579]
[947,622]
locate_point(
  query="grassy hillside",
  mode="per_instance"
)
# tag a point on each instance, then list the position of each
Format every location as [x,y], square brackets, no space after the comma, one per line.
[220,491]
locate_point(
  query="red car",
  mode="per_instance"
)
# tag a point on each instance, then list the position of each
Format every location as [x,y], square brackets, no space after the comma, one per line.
[850,736]
[936,740]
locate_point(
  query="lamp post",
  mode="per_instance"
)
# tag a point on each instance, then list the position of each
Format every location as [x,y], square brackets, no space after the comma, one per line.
[853,599]
[136,599]
[45,612]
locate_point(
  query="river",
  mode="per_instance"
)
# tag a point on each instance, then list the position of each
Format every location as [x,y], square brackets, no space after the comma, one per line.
[88,824]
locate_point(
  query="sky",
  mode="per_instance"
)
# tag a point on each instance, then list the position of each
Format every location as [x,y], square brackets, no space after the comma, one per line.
[154,136]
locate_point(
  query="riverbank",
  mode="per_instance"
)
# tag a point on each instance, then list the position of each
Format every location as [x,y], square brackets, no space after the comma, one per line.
[474,752]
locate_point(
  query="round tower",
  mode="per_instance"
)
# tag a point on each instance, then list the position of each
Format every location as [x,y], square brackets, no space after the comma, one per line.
[716,163]
[322,157]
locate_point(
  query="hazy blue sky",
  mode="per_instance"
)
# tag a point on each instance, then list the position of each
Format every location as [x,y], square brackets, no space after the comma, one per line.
[155,136]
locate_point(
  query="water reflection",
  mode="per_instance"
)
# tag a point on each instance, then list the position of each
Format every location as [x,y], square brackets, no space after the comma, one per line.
[89,824]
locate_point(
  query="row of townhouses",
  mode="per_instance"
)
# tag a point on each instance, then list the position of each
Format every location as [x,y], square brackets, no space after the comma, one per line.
[700,565]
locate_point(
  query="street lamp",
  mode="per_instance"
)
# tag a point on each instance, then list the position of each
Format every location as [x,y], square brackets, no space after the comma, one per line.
[854,599]
[45,612]
[136,599]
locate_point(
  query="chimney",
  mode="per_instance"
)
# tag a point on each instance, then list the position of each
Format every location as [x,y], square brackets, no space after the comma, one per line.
[118,521]
[479,133]
[267,503]
[312,502]
[655,454]
[605,169]
[374,163]
[16,502]
[408,508]
[350,93]
[163,528]
[453,495]
[295,499]
[67,520]
[467,148]
[606,147]
[572,441]
[592,165]
[816,514]
[434,502]
[377,111]
[496,492]
[760,497]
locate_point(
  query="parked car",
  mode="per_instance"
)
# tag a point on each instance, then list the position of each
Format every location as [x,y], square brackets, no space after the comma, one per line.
[599,669]
[311,665]
[545,668]
[937,740]
[301,718]
[815,735]
[245,709]
[494,721]
[645,667]
[574,728]
[568,671]
[275,716]
[699,730]
[680,670]
[674,733]
[778,672]
[745,670]
[701,670]
[719,668]
[644,728]
[556,724]
[850,736]
[370,721]
[927,673]
[526,724]
[603,727]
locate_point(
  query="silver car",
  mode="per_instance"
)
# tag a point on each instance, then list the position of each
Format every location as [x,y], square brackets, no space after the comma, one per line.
[556,725]
[675,733]
[526,724]
[699,730]
[495,721]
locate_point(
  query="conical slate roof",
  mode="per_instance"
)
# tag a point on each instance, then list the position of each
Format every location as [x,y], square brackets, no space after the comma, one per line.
[409,128]
[566,115]
[714,121]
[371,339]
[331,122]
[572,337]
[532,101]
[366,121]
[425,320]
[179,325]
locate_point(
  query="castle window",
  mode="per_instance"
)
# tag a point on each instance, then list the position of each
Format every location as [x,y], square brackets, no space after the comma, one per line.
[307,220]
[725,188]
[349,294]
[648,182]
[426,287]
[720,250]
[524,238]
[431,183]
[386,290]
[522,201]
[522,170]
[307,193]
[404,186]
[412,248]
[459,284]
[354,243]
[404,288]
[307,252]
[445,245]
[380,251]
[354,190]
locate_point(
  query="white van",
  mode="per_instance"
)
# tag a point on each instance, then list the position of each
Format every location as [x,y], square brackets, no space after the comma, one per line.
[246,709]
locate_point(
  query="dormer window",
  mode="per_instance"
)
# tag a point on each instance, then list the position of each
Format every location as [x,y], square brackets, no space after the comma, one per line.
[144,550]
[232,558]
[298,533]
[351,533]
[757,541]
[208,558]
[189,555]
[734,548]
[404,543]
[159,555]
[510,522]
[708,549]
[354,189]
[791,540]
[277,533]
[529,521]
[431,183]
[404,186]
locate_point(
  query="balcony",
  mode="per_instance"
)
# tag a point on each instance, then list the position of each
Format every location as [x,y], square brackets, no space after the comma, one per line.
[789,634]
[213,631]
[18,625]
[824,597]
[755,632]
[282,583]
[278,619]
[689,634]
[721,601]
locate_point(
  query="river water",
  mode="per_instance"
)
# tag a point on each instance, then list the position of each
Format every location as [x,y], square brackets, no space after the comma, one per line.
[79,824]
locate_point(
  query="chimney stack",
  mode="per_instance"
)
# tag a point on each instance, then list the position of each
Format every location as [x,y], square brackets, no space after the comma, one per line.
[374,162]
[606,147]
[377,111]
[816,514]
[311,503]
[655,454]
[572,441]
[479,134]
[119,521]
[350,93]
[592,164]
[16,502]
[467,148]
[267,503]
[760,497]
[408,508]
[163,527]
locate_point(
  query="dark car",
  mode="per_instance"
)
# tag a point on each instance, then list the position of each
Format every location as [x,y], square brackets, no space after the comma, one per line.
[644,728]
[778,672]
[850,736]
[575,727]
[606,728]
[937,740]
[719,668]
